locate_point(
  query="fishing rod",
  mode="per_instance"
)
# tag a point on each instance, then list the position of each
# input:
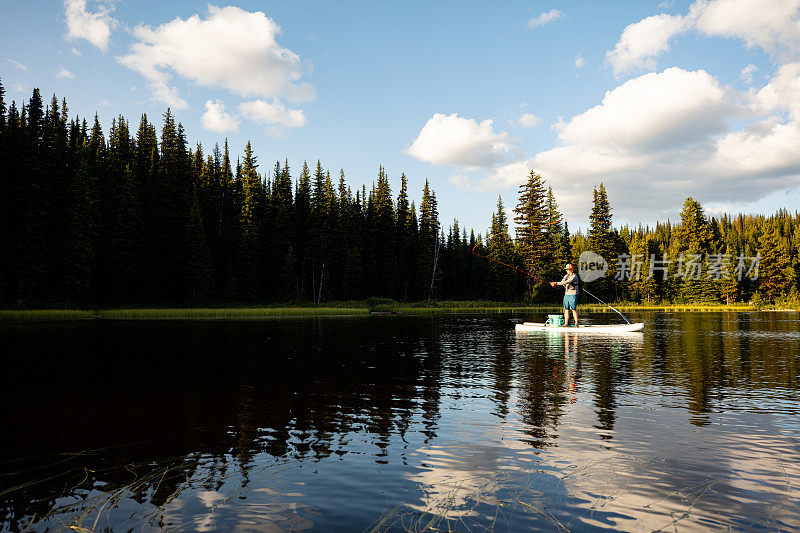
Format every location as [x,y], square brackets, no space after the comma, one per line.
[602,302]
[540,279]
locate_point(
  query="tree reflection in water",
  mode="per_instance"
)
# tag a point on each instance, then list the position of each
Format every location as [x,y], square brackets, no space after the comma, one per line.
[173,423]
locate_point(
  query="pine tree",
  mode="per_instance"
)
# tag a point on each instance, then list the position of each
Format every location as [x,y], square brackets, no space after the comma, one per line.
[5,201]
[532,241]
[320,231]
[250,224]
[776,274]
[302,214]
[499,246]
[405,241]
[385,278]
[558,236]
[429,243]
[601,241]
[693,241]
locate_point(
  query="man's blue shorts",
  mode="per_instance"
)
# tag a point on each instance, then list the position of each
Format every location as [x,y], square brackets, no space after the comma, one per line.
[570,301]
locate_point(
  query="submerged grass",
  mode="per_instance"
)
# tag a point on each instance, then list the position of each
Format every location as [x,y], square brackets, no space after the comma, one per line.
[344,308]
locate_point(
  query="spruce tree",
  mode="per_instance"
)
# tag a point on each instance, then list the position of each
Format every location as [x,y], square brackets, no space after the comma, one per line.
[5,201]
[776,275]
[404,241]
[250,223]
[532,242]
[385,278]
[602,242]
[499,246]
[429,243]
[302,214]
[693,241]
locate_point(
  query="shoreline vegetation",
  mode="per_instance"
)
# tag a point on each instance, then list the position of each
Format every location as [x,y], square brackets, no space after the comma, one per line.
[352,308]
[127,218]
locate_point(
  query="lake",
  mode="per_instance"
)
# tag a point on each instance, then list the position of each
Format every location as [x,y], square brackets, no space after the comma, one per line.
[401,423]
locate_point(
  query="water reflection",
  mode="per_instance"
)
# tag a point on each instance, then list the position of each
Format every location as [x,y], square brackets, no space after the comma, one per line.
[256,425]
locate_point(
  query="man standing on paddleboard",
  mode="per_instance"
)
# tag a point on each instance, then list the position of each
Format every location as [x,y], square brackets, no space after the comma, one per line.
[571,283]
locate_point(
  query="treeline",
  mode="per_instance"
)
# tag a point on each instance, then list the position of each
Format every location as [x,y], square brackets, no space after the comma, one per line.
[134,218]
[699,259]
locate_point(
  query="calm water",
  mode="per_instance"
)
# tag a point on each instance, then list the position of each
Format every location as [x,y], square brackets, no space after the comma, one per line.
[401,423]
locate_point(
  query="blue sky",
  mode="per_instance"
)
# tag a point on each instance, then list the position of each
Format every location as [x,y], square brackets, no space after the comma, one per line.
[659,100]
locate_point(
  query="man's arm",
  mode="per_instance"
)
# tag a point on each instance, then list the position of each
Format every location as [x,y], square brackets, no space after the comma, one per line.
[567,280]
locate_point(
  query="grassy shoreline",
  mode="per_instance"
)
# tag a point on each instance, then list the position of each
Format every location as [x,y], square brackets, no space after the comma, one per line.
[363,308]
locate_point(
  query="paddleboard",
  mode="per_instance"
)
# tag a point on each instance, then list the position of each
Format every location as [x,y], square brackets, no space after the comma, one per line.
[581,328]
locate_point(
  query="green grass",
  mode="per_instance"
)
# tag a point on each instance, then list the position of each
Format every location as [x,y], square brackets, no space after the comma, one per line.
[344,308]
[189,313]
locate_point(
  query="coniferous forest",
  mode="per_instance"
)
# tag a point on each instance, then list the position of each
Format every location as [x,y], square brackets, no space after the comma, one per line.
[134,216]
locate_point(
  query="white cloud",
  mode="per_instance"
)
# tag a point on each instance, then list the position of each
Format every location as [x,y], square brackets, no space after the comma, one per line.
[579,61]
[452,140]
[747,73]
[64,74]
[104,103]
[772,25]
[640,42]
[76,51]
[545,18]
[94,27]
[216,119]
[231,49]
[663,136]
[17,64]
[654,111]
[782,93]
[275,115]
[526,120]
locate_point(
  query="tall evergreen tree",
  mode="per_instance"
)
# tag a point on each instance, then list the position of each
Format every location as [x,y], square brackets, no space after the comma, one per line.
[250,223]
[5,201]
[500,247]
[601,241]
[429,243]
[404,238]
[776,274]
[384,278]
[693,244]
[532,242]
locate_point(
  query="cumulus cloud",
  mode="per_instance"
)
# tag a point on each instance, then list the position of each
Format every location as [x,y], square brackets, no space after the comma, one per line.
[782,93]
[579,61]
[457,141]
[64,74]
[772,25]
[657,138]
[545,18]
[747,73]
[93,27]
[216,119]
[654,111]
[526,120]
[231,49]
[272,114]
[642,41]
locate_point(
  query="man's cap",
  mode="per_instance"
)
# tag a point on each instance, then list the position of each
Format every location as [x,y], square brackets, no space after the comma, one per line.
[569,265]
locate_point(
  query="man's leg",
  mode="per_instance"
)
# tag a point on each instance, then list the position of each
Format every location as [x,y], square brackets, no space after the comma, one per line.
[575,316]
[566,316]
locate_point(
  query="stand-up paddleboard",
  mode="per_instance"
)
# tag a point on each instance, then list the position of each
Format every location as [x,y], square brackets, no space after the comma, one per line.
[580,328]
